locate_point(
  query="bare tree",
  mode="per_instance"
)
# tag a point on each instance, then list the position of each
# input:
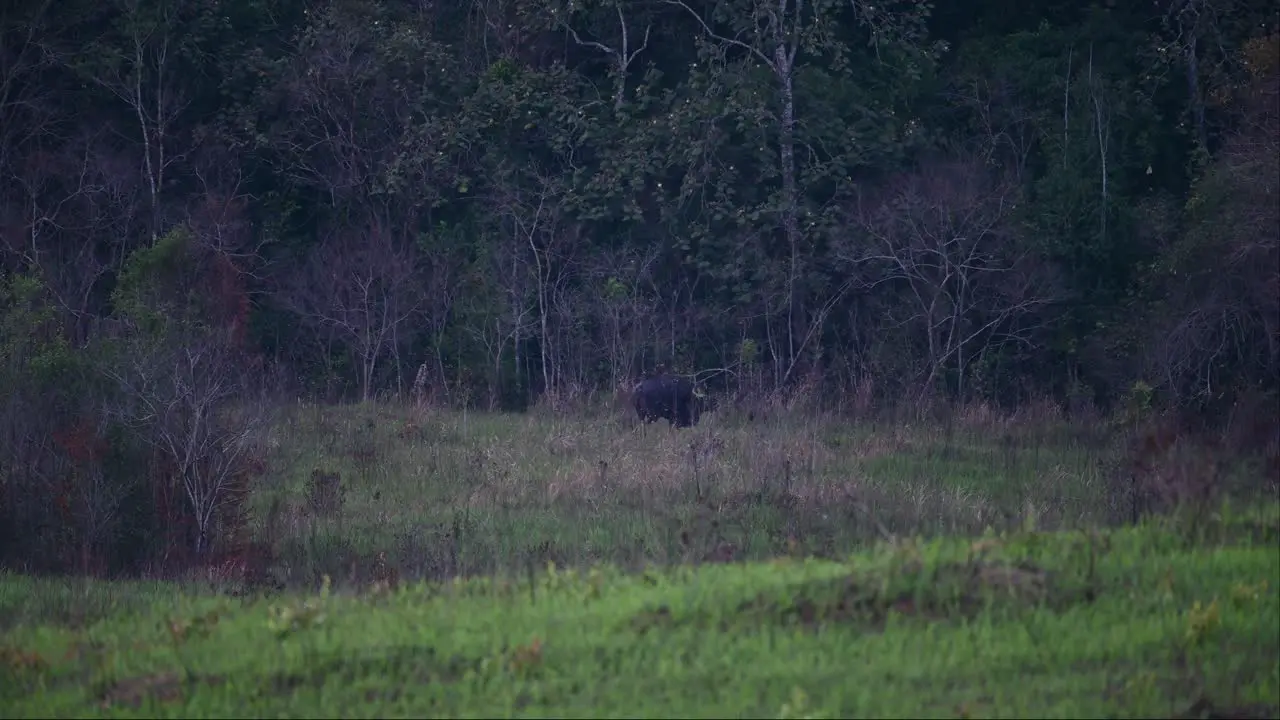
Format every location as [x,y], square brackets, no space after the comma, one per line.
[621,51]
[510,316]
[362,131]
[1222,278]
[1007,131]
[570,331]
[625,316]
[531,204]
[79,202]
[66,202]
[144,75]
[945,235]
[440,295]
[91,503]
[190,398]
[25,107]
[363,286]
[1102,132]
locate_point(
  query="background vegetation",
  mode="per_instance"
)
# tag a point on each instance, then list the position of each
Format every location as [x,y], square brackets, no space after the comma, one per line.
[943,267]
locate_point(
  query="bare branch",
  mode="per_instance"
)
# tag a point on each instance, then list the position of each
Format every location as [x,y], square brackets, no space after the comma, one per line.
[945,236]
[365,288]
[768,61]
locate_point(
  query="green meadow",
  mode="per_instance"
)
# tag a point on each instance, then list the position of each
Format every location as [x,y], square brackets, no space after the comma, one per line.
[444,493]
[439,564]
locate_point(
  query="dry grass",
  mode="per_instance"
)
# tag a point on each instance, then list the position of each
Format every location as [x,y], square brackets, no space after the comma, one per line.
[445,492]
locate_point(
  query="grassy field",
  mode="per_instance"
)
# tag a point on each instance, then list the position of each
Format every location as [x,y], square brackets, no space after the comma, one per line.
[432,563]
[439,494]
[1168,619]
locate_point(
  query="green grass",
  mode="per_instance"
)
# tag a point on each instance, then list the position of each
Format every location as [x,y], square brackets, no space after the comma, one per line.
[444,493]
[1168,618]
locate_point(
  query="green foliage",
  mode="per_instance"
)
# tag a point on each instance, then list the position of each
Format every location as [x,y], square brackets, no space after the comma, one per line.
[1139,402]
[33,349]
[366,117]
[60,484]
[37,363]
[158,290]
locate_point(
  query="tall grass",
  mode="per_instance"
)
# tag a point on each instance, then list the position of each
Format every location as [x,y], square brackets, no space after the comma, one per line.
[440,493]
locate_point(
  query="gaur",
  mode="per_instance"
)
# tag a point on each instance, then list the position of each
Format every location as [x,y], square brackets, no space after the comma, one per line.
[668,396]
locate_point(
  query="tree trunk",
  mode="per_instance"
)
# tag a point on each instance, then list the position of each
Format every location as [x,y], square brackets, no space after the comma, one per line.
[790,204]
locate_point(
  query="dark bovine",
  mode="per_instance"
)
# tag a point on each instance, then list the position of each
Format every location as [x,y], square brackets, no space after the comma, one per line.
[667,396]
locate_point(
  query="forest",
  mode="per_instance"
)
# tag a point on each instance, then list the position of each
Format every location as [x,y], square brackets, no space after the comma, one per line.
[208,207]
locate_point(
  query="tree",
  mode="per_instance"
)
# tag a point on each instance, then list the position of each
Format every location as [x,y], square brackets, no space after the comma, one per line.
[779,34]
[1221,280]
[53,495]
[141,62]
[602,16]
[178,398]
[364,289]
[778,31]
[187,389]
[624,316]
[945,234]
[532,130]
